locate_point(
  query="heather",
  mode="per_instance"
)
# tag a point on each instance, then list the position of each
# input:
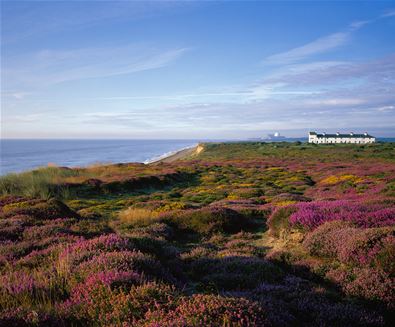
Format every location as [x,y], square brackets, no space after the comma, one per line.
[313,214]
[241,234]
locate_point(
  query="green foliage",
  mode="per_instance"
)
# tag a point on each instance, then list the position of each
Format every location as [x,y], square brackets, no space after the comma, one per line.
[50,209]
[296,150]
[41,183]
[279,220]
[207,221]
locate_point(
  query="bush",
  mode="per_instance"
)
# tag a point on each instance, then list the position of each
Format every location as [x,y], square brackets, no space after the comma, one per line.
[351,245]
[279,220]
[298,302]
[119,261]
[50,209]
[322,241]
[233,273]
[245,193]
[208,220]
[312,214]
[101,302]
[385,257]
[367,283]
[210,310]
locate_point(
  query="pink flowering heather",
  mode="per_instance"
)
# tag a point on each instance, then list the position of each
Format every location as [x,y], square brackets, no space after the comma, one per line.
[367,283]
[120,261]
[37,258]
[54,227]
[210,310]
[18,282]
[313,214]
[352,245]
[85,249]
[210,260]
[102,301]
[98,285]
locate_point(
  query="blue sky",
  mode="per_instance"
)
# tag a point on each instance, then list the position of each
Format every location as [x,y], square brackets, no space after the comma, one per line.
[190,69]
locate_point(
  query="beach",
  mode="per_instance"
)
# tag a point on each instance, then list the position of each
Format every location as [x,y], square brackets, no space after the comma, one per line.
[24,155]
[179,155]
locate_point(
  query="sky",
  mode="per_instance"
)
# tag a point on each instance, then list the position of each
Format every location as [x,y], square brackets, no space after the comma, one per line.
[196,69]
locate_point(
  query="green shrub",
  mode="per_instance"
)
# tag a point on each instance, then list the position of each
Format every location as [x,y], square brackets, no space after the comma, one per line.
[279,220]
[208,220]
[385,259]
[50,209]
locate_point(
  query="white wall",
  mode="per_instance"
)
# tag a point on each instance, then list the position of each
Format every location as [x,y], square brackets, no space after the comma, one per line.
[329,140]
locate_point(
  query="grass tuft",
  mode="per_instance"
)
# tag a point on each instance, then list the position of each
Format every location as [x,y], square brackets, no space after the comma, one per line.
[138,217]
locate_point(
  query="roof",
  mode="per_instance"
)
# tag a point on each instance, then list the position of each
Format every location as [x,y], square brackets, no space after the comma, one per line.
[338,135]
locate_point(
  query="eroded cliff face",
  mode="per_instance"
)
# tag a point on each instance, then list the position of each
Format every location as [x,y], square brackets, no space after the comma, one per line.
[199,149]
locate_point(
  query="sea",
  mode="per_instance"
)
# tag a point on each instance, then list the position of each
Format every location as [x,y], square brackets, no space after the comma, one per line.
[22,155]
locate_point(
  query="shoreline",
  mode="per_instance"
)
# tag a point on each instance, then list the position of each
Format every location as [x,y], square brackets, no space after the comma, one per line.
[174,155]
[24,156]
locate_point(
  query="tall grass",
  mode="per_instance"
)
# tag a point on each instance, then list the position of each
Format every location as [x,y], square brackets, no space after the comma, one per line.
[43,183]
[138,217]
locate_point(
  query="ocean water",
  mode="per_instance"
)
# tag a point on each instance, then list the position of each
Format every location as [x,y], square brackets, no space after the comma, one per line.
[22,155]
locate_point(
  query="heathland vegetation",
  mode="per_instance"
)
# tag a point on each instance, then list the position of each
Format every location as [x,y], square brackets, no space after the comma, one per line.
[239,234]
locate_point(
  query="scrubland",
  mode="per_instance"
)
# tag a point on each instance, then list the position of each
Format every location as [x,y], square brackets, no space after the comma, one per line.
[240,234]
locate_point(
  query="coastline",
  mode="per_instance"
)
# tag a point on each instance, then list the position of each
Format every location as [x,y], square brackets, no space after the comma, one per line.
[174,156]
[20,156]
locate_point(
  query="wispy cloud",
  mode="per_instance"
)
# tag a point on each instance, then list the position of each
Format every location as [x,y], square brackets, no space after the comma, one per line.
[380,70]
[48,67]
[385,108]
[299,90]
[27,19]
[335,102]
[389,13]
[18,95]
[318,46]
[358,24]
[26,118]
[322,44]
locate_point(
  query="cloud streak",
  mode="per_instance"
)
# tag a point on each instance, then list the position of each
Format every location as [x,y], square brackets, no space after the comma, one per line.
[49,67]
[322,44]
[318,46]
[25,19]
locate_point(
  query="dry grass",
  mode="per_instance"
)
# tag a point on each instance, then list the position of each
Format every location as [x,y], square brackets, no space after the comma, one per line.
[138,217]
[42,183]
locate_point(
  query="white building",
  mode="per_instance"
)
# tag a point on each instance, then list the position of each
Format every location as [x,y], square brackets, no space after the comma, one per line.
[340,138]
